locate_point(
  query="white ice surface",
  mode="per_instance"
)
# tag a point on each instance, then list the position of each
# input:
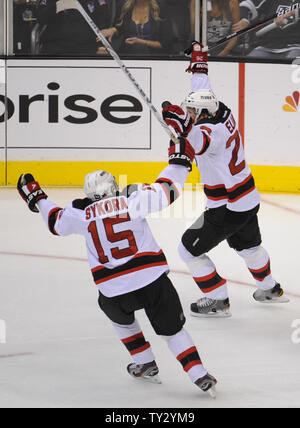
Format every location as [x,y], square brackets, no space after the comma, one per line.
[72,356]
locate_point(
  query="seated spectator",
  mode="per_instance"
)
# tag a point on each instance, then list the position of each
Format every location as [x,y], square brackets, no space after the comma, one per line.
[141,30]
[67,33]
[222,14]
[282,42]
[24,19]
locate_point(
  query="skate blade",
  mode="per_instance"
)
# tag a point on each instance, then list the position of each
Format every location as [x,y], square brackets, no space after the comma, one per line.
[212,392]
[281,299]
[152,379]
[223,314]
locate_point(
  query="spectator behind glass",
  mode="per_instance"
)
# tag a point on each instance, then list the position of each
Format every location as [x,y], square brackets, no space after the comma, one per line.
[24,19]
[178,13]
[141,30]
[67,33]
[222,14]
[281,42]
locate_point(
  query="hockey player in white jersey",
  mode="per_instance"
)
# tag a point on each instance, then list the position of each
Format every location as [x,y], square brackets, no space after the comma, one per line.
[232,198]
[127,265]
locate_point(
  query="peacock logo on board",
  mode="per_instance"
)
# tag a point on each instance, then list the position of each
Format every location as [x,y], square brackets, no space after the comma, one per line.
[292,102]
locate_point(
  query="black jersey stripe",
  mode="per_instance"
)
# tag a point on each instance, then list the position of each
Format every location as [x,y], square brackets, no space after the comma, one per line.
[215,192]
[241,190]
[101,273]
[234,193]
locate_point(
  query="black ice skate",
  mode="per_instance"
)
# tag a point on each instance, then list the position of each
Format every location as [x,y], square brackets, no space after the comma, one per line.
[272,295]
[207,384]
[148,371]
[210,308]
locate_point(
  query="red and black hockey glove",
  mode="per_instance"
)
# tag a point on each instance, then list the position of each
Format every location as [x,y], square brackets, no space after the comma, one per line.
[174,116]
[30,191]
[198,59]
[181,153]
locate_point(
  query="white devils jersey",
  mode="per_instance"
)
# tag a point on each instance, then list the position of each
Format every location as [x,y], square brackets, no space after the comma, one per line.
[220,157]
[122,252]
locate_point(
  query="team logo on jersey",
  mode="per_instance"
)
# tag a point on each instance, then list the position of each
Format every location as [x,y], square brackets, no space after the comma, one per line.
[292,102]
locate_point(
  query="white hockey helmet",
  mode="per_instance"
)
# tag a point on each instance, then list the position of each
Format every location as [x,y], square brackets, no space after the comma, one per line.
[99,184]
[202,100]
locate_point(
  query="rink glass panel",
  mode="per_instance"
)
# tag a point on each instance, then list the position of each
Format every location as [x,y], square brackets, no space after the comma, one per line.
[25,33]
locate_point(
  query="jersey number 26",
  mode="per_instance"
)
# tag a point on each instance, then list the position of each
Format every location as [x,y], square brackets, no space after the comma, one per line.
[233,166]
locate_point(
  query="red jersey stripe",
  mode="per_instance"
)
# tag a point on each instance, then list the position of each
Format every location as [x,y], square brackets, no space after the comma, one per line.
[146,253]
[231,189]
[125,272]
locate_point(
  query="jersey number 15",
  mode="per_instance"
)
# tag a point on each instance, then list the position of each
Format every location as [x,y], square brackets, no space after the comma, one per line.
[113,237]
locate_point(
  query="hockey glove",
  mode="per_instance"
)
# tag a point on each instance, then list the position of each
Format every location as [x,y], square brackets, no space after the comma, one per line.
[198,59]
[30,191]
[174,116]
[181,153]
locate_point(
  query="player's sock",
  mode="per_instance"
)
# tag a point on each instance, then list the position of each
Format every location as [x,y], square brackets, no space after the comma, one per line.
[183,348]
[204,273]
[133,339]
[258,262]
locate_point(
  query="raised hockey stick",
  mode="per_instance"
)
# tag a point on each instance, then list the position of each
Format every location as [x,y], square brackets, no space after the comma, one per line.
[238,33]
[74,4]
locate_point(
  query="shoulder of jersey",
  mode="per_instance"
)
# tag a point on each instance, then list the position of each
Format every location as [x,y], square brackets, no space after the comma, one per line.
[221,116]
[81,204]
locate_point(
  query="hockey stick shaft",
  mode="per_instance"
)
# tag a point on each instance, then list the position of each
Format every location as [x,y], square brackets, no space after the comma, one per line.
[74,4]
[238,33]
[266,29]
[274,25]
